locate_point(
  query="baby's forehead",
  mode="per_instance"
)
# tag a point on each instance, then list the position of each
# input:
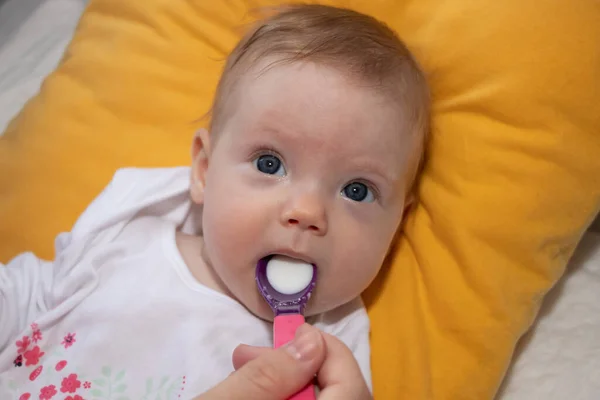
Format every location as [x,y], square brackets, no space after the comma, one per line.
[284,88]
[318,71]
[288,90]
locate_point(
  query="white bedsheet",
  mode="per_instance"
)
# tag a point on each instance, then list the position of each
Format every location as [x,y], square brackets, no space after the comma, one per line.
[559,359]
[29,50]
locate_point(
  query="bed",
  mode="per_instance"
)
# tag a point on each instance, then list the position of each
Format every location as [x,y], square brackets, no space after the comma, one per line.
[559,358]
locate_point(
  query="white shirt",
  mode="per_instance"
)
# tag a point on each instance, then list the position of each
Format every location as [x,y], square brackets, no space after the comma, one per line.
[118,315]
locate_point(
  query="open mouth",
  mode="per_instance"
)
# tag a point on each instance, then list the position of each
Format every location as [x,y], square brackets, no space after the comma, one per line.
[288,275]
[289,255]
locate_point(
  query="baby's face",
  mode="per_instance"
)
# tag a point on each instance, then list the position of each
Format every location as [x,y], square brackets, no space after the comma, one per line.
[310,166]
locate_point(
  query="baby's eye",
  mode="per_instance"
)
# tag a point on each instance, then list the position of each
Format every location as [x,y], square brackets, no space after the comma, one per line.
[357,191]
[270,165]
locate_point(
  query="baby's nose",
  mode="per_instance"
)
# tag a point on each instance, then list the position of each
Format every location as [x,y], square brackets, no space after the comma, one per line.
[306,212]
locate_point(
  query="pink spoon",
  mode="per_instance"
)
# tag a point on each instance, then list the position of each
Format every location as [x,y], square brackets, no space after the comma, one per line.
[289,313]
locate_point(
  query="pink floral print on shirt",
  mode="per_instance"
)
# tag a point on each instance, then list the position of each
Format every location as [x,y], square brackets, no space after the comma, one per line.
[68,340]
[60,365]
[23,344]
[36,336]
[36,372]
[30,354]
[70,384]
[47,392]
[32,357]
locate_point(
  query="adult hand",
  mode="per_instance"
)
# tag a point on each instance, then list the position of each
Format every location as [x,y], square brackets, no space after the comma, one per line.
[267,374]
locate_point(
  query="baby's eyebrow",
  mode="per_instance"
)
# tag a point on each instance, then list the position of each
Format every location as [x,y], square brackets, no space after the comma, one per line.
[379,169]
[273,123]
[272,128]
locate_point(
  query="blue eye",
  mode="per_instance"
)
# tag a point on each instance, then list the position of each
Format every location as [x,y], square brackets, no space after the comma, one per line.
[270,165]
[359,192]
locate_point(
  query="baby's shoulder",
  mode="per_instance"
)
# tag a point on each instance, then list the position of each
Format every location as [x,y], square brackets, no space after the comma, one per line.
[144,231]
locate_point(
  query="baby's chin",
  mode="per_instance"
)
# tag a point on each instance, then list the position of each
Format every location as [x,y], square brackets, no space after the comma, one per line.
[269,316]
[257,306]
[263,312]
[261,309]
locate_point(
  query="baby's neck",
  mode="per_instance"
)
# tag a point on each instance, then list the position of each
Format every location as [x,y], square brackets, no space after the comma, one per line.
[191,248]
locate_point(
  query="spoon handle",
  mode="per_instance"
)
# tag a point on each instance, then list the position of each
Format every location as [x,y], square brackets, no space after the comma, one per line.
[284,329]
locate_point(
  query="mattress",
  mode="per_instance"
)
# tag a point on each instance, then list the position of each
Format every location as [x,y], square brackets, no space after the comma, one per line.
[559,358]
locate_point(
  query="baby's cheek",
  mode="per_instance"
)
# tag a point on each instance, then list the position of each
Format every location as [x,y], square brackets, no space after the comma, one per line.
[355,266]
[230,227]
[223,227]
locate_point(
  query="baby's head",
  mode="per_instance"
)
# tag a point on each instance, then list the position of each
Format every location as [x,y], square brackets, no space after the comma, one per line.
[316,137]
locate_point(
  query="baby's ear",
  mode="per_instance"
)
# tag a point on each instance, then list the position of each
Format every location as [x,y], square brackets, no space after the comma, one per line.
[200,156]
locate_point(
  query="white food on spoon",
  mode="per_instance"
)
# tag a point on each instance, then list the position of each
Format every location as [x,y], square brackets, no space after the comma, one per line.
[288,275]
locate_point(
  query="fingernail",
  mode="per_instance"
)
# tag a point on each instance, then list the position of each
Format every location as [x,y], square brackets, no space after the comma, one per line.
[304,346]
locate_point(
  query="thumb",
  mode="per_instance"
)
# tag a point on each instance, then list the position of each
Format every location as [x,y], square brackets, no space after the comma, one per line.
[275,374]
[244,354]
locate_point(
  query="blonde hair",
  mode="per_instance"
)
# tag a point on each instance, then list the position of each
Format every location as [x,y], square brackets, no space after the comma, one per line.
[354,43]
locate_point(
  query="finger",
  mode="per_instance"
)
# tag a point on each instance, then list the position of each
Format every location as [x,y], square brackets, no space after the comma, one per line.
[244,353]
[340,376]
[276,374]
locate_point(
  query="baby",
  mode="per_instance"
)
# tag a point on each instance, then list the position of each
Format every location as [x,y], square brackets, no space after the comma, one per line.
[315,141]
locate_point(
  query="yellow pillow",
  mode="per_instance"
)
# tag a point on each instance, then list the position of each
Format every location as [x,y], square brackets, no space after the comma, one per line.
[511,182]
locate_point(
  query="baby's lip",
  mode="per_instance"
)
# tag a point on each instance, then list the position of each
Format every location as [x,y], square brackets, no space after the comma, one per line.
[291,254]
